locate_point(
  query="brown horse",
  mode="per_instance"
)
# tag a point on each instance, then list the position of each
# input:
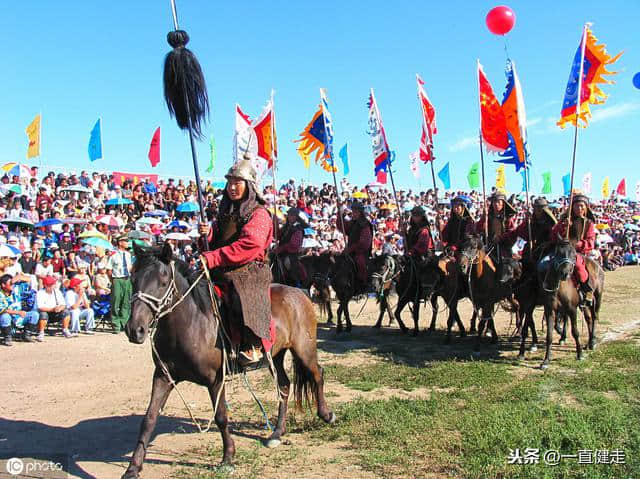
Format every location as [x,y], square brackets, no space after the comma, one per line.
[189,344]
[561,296]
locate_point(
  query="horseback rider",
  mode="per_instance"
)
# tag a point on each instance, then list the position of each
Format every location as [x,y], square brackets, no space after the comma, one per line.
[582,233]
[459,226]
[500,219]
[359,233]
[419,240]
[238,244]
[542,222]
[290,246]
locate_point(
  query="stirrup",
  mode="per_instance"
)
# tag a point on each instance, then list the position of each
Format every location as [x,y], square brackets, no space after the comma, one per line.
[249,357]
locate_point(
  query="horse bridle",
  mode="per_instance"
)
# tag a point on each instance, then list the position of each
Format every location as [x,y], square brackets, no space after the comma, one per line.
[556,265]
[389,274]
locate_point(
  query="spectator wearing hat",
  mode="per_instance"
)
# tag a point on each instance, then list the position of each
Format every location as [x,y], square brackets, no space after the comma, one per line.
[11,313]
[101,281]
[52,306]
[79,307]
[27,262]
[120,264]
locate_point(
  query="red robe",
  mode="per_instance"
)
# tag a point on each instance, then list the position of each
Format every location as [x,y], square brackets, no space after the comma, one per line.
[294,245]
[359,249]
[583,246]
[423,244]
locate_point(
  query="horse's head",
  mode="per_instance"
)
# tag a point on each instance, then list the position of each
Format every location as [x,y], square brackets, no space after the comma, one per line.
[468,253]
[153,288]
[560,268]
[382,270]
[509,270]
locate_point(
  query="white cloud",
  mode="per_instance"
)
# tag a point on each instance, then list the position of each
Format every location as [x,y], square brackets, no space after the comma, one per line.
[613,111]
[533,121]
[464,144]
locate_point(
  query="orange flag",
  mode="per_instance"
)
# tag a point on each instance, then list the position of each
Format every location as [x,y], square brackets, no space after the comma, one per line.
[154,148]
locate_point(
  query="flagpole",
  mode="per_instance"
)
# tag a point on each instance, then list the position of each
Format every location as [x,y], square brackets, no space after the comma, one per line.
[333,169]
[583,46]
[484,191]
[273,168]
[526,187]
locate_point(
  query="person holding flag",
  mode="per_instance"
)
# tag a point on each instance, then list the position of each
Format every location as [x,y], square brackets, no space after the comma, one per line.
[500,219]
[359,233]
[542,222]
[459,226]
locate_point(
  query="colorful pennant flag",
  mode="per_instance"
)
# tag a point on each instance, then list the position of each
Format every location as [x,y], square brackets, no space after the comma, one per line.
[244,142]
[586,183]
[379,143]
[414,165]
[526,180]
[566,184]
[473,177]
[501,178]
[33,134]
[213,153]
[492,120]
[605,187]
[317,137]
[154,148]
[621,190]
[443,174]
[265,131]
[95,141]
[546,183]
[594,59]
[515,121]
[344,156]
[428,123]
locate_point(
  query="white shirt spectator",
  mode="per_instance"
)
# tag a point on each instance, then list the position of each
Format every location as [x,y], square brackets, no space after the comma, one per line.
[46,300]
[42,271]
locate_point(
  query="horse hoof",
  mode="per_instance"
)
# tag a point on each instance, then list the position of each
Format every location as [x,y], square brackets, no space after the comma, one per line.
[533,348]
[473,331]
[520,357]
[562,342]
[581,357]
[225,468]
[272,443]
[414,333]
[476,354]
[130,475]
[463,334]
[544,366]
[376,326]
[332,418]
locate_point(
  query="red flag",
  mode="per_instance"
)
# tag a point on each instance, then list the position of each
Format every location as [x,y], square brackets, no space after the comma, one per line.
[264,128]
[492,120]
[622,188]
[154,148]
[428,123]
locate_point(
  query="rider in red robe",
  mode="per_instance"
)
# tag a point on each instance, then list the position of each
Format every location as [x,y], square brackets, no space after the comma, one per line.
[419,240]
[290,247]
[359,234]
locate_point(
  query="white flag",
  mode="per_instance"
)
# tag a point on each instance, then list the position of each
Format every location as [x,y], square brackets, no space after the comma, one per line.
[414,165]
[586,184]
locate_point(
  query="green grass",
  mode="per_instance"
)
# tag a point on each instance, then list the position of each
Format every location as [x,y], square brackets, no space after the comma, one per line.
[468,432]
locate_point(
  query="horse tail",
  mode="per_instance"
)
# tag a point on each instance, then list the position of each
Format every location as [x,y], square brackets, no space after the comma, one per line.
[304,385]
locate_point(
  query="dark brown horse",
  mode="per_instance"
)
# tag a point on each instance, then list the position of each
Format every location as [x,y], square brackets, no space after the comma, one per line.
[561,296]
[384,271]
[343,281]
[487,283]
[316,270]
[189,343]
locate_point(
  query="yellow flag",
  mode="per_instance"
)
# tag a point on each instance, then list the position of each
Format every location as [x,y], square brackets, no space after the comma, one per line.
[501,179]
[605,187]
[33,133]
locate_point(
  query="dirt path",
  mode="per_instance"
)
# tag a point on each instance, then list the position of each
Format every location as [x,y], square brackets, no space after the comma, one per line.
[85,397]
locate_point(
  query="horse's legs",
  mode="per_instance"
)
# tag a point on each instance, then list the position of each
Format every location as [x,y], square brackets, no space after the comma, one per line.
[402,302]
[339,316]
[573,315]
[222,421]
[532,326]
[326,297]
[416,317]
[347,316]
[383,308]
[549,316]
[492,326]
[159,393]
[307,364]
[434,313]
[389,312]
[523,337]
[283,385]
[474,318]
[483,324]
[588,318]
[592,333]
[463,333]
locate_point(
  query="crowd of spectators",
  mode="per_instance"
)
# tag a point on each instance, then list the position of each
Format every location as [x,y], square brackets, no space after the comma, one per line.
[59,235]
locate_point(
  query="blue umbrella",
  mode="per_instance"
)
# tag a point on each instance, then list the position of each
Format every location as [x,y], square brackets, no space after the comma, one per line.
[188,207]
[48,222]
[15,250]
[179,224]
[309,231]
[95,241]
[118,201]
[632,227]
[156,213]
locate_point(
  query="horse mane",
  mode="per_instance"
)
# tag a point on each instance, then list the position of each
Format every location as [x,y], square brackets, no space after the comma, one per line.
[146,257]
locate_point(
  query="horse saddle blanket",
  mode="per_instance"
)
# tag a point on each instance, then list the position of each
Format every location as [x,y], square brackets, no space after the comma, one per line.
[251,283]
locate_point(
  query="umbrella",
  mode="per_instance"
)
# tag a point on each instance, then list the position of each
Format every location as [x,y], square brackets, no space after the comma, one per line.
[309,231]
[375,184]
[76,189]
[605,238]
[278,213]
[388,206]
[156,213]
[74,221]
[602,226]
[635,217]
[7,252]
[179,224]
[110,220]
[193,234]
[17,169]
[118,201]
[139,235]
[11,187]
[188,207]
[93,234]
[178,237]
[17,222]
[148,220]
[98,242]
[369,208]
[632,227]
[310,243]
[48,222]
[360,194]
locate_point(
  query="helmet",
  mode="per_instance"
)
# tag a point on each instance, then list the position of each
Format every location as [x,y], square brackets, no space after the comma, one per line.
[418,210]
[244,170]
[357,206]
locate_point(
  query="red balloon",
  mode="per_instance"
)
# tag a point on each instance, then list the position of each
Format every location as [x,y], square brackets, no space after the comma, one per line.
[500,20]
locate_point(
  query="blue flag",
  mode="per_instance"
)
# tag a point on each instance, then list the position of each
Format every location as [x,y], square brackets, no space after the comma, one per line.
[443,174]
[95,142]
[566,183]
[344,156]
[525,180]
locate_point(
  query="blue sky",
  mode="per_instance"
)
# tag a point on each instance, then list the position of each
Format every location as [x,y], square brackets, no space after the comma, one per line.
[74,61]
